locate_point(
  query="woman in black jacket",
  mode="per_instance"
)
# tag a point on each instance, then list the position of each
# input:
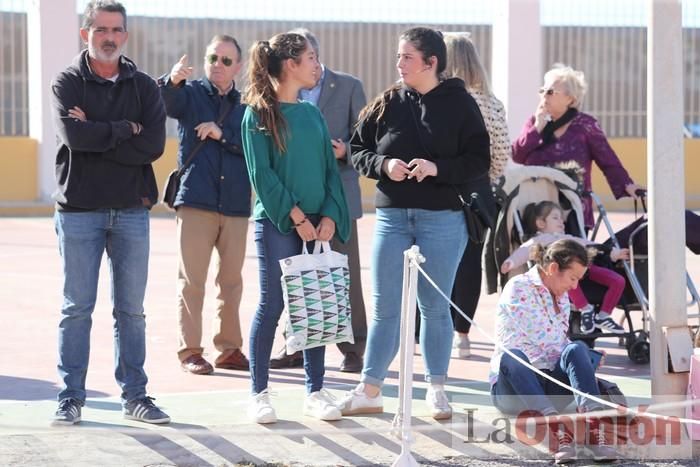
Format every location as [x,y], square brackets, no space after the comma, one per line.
[421,140]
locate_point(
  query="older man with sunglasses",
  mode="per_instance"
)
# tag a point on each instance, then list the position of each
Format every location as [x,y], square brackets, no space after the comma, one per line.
[213,202]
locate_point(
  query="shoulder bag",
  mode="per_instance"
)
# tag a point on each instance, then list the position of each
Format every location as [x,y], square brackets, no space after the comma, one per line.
[172,183]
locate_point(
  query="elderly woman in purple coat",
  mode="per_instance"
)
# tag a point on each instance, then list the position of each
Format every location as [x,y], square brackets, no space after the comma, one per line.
[559,133]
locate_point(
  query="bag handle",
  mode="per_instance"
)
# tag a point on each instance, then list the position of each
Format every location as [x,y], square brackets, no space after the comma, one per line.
[319,247]
[225,110]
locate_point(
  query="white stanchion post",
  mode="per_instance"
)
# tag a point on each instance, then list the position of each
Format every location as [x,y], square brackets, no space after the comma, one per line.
[402,421]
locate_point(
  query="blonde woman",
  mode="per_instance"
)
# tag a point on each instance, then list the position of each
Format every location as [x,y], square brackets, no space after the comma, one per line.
[463,62]
[559,132]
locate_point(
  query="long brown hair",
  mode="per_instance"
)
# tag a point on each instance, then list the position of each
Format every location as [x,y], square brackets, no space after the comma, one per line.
[264,69]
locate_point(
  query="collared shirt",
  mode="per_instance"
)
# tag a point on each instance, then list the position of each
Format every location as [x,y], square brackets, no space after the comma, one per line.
[527,320]
[312,95]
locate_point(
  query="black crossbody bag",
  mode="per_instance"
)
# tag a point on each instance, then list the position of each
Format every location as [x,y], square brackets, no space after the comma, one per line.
[172,183]
[476,214]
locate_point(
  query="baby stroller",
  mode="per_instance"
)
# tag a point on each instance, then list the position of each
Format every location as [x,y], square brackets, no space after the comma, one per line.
[634,237]
[531,184]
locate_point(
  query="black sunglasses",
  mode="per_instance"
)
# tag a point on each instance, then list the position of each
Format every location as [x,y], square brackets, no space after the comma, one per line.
[213,58]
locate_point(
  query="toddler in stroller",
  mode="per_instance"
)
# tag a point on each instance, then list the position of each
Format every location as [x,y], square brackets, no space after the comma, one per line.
[544,224]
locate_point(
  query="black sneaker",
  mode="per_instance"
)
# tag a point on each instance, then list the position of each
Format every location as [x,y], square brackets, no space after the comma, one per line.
[68,412]
[605,323]
[282,360]
[144,410]
[587,325]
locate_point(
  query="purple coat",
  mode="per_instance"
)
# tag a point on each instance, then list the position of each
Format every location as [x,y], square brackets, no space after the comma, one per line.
[582,142]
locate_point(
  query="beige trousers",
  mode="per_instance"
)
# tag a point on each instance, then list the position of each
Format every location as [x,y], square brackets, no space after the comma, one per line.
[199,232]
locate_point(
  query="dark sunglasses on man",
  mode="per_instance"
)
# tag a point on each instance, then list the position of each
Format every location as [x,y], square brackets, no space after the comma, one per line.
[213,58]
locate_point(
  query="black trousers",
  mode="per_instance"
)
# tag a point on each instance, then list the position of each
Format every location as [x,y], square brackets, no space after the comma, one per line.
[466,289]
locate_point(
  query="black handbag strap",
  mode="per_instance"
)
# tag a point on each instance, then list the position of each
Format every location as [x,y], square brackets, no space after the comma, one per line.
[223,113]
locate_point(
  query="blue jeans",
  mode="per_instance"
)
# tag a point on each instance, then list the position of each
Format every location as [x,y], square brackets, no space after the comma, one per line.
[83,237]
[272,246]
[442,237]
[518,388]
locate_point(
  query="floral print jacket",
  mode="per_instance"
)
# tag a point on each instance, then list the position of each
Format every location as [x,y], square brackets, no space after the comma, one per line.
[527,320]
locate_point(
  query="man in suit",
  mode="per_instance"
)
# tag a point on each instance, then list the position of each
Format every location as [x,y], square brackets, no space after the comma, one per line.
[340,97]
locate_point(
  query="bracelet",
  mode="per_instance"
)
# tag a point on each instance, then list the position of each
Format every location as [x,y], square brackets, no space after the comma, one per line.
[300,222]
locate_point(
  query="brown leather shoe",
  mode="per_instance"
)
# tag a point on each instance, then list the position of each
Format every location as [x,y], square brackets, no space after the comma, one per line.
[234,361]
[282,360]
[196,365]
[352,363]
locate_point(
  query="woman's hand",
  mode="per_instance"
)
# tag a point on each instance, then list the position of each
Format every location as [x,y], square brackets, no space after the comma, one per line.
[421,168]
[506,266]
[616,254]
[396,169]
[306,230]
[632,188]
[325,229]
[542,117]
[303,226]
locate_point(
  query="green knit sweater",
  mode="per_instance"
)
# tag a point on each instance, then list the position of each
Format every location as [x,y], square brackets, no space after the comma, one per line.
[306,174]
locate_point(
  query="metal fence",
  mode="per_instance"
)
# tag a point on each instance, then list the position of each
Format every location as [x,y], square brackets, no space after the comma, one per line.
[613,59]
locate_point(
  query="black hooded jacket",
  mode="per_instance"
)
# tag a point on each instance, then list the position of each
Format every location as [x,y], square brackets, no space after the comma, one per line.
[100,163]
[444,126]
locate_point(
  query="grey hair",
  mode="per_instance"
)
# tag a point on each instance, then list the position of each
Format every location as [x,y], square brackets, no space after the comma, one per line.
[463,62]
[309,37]
[573,81]
[95,6]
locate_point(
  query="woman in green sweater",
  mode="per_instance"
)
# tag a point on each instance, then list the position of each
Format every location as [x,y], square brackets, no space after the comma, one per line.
[300,198]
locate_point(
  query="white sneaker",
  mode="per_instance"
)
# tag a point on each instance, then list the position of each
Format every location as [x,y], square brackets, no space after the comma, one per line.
[322,405]
[356,402]
[438,404]
[461,346]
[260,410]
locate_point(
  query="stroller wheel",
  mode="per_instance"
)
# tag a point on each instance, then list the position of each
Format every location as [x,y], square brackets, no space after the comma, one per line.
[638,351]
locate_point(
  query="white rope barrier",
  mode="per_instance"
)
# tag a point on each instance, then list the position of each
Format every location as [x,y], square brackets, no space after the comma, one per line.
[619,409]
[402,421]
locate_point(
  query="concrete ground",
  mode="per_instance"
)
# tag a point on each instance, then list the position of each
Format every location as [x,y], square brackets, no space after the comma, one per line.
[209,425]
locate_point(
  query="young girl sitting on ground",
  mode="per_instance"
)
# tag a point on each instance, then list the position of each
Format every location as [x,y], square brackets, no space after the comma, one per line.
[546,219]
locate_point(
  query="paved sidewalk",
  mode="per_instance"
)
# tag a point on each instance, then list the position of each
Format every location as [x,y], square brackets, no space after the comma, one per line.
[209,426]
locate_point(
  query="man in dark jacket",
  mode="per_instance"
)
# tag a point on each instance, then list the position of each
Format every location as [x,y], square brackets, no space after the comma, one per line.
[213,203]
[111,126]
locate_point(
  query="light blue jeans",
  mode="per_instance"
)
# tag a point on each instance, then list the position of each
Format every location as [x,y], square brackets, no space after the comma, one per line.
[83,237]
[441,237]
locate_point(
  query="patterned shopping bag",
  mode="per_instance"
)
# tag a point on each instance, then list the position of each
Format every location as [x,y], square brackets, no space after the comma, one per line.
[316,291]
